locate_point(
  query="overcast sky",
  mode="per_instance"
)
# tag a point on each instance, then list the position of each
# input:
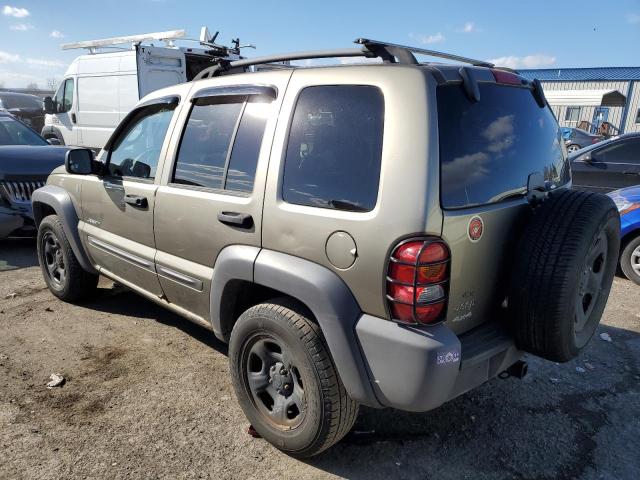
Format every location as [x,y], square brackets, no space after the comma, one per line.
[517,34]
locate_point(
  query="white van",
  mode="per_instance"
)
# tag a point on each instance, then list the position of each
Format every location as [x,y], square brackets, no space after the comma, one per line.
[99,89]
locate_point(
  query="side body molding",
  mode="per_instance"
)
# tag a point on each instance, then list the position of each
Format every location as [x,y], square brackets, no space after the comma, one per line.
[59,199]
[333,305]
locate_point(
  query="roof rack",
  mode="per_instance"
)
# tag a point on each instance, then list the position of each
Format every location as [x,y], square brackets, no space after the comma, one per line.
[92,45]
[388,52]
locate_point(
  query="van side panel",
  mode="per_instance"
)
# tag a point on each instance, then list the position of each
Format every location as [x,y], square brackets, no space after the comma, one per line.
[98,111]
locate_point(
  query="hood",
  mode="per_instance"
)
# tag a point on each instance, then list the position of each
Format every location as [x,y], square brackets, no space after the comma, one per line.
[29,162]
[25,111]
[630,194]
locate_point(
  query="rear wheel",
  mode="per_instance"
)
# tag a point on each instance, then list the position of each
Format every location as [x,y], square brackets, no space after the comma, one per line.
[64,276]
[563,273]
[573,147]
[286,382]
[630,260]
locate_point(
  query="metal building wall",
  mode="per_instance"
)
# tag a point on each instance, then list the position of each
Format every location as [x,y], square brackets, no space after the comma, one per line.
[633,100]
[586,113]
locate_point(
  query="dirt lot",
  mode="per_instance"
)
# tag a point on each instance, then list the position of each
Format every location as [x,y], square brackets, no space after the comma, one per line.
[148,396]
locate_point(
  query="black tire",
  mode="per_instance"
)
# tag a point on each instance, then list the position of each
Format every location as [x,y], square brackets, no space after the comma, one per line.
[564,268]
[64,276]
[326,413]
[629,258]
[574,147]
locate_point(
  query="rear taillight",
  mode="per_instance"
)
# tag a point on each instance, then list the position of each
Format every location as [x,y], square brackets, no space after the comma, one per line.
[507,78]
[417,281]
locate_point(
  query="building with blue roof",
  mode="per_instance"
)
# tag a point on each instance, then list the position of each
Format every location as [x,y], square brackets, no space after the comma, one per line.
[590,97]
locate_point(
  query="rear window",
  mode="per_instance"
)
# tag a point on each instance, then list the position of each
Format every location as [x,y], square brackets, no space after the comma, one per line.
[489,148]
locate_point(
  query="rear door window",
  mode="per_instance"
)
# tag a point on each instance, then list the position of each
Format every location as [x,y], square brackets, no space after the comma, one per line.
[489,148]
[335,147]
[221,143]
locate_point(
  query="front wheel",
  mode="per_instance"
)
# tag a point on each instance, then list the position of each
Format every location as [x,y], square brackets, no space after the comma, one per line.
[630,260]
[286,382]
[64,276]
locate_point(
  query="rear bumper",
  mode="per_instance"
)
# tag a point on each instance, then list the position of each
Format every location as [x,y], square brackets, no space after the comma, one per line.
[420,368]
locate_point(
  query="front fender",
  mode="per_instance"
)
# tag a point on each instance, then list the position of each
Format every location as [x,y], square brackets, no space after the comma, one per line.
[60,201]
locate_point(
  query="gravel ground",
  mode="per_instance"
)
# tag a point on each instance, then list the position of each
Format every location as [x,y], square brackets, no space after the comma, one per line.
[148,395]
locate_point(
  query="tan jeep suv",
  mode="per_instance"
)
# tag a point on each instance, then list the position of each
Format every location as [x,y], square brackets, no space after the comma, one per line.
[389,234]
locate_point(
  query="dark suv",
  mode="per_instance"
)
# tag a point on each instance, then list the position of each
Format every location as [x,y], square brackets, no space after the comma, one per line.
[391,235]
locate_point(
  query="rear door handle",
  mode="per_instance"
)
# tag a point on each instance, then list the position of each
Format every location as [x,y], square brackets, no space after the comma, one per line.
[137,201]
[236,219]
[74,119]
[627,172]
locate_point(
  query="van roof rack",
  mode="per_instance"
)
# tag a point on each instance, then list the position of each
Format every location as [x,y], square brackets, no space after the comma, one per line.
[388,52]
[92,45]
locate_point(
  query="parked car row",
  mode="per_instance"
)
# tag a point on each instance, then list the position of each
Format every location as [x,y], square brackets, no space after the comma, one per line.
[28,108]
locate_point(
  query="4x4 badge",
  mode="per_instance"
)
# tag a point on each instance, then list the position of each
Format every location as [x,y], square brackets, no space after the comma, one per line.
[476,227]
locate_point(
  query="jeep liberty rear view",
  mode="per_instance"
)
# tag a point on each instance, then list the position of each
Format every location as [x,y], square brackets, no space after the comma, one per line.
[392,235]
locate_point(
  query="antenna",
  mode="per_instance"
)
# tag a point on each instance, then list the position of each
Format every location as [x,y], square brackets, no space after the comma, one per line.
[92,45]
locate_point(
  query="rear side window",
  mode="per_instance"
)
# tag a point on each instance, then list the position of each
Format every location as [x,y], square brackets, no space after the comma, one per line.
[221,143]
[489,148]
[335,147]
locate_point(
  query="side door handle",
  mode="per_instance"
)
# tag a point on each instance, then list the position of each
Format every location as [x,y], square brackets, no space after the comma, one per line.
[137,201]
[236,219]
[629,172]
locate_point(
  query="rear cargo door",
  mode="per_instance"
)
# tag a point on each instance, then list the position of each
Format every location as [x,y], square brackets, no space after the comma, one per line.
[488,150]
[159,67]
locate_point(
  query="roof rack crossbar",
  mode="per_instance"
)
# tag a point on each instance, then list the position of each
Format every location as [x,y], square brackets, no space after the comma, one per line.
[388,52]
[421,51]
[248,62]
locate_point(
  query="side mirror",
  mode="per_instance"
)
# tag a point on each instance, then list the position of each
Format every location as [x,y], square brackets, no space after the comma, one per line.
[53,141]
[79,161]
[49,105]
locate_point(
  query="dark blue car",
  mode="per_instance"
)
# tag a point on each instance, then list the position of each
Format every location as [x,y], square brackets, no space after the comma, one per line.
[628,203]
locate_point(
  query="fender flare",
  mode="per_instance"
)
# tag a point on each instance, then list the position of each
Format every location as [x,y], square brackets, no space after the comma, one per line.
[333,305]
[320,289]
[60,201]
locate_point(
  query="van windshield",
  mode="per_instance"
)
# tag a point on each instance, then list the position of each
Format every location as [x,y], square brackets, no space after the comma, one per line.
[489,148]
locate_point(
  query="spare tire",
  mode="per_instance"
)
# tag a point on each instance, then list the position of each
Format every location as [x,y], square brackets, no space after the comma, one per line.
[563,271]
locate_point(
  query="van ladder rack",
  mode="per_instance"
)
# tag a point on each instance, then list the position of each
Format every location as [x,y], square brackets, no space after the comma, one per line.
[92,45]
[388,52]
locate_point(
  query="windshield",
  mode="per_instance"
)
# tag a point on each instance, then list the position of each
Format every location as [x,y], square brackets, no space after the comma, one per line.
[489,148]
[12,132]
[20,101]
